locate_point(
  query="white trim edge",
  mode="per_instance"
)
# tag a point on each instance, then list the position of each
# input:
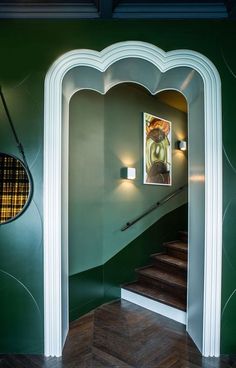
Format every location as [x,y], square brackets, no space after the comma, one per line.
[52,178]
[154,306]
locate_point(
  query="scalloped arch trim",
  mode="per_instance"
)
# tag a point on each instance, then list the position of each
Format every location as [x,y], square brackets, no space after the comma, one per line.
[53,135]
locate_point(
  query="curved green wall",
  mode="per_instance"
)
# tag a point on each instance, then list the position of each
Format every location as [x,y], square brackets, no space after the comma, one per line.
[28,48]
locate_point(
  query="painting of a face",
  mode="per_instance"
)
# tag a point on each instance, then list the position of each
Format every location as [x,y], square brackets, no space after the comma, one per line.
[157,150]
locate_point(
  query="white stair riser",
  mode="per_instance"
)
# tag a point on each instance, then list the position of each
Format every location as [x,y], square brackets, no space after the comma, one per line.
[154,306]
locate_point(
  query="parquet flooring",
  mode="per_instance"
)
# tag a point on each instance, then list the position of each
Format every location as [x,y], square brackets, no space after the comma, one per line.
[123,335]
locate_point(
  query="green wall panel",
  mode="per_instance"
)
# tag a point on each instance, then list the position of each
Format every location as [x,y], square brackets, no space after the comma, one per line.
[28,48]
[86,182]
[21,245]
[19,334]
[85,292]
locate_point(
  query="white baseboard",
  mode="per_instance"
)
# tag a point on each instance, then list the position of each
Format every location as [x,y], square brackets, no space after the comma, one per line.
[154,306]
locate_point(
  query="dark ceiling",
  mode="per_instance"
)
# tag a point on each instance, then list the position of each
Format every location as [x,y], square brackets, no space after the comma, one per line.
[119,9]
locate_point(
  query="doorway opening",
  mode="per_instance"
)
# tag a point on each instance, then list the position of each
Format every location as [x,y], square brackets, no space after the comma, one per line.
[193,75]
[106,133]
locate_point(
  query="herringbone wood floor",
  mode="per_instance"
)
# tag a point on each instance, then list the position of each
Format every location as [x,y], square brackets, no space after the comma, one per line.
[123,335]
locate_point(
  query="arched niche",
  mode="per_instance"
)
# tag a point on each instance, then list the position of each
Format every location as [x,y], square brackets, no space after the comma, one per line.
[197,79]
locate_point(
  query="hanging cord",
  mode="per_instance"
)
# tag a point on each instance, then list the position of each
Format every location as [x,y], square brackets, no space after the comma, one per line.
[19,145]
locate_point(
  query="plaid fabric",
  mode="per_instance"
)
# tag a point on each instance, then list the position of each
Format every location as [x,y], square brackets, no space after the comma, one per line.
[14,187]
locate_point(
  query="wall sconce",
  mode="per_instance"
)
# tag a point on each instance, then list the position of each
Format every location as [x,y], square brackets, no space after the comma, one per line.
[128,173]
[182,145]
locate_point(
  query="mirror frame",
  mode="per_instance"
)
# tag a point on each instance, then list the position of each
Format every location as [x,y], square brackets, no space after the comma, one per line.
[31,189]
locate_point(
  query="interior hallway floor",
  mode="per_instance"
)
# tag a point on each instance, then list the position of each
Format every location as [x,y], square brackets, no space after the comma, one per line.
[123,335]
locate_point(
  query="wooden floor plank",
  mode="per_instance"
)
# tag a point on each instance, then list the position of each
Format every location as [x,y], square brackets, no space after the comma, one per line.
[123,335]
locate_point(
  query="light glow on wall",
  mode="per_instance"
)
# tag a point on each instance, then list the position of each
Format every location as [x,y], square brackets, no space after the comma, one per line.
[197,178]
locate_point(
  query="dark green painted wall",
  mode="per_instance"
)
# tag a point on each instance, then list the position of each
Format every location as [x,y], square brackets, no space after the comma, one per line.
[27,50]
[101,284]
[86,292]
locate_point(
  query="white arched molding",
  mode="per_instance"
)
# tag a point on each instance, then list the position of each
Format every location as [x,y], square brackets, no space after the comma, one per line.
[53,167]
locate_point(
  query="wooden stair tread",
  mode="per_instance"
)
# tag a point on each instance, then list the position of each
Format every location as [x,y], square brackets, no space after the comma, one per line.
[165,280]
[165,258]
[177,245]
[155,294]
[163,276]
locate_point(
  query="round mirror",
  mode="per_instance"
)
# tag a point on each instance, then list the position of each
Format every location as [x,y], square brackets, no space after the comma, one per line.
[15,188]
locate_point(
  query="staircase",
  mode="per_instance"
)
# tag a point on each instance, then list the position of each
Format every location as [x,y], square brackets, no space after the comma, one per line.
[162,286]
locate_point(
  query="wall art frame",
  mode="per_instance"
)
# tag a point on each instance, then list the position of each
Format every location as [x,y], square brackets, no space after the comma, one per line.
[157,150]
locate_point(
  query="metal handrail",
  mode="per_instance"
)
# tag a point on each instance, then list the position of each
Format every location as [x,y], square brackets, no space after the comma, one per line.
[153,207]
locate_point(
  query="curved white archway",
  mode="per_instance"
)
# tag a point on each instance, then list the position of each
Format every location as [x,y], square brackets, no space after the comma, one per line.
[56,142]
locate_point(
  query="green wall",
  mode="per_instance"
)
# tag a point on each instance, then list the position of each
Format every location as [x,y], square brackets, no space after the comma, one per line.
[28,48]
[106,134]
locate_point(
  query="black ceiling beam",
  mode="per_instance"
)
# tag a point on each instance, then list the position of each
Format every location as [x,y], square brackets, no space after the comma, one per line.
[113,9]
[167,10]
[52,10]
[96,2]
[231,8]
[115,3]
[105,9]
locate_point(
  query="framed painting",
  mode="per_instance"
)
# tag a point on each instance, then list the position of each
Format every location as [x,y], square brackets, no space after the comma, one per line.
[157,163]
